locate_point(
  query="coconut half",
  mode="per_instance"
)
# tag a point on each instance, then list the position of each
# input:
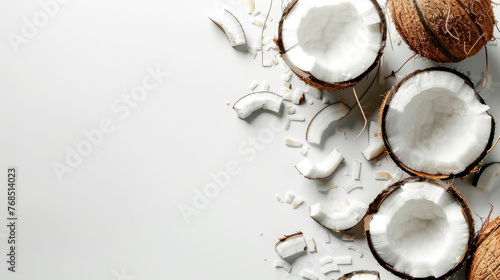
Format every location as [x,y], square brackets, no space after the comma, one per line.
[361,275]
[420,228]
[332,44]
[434,124]
[487,176]
[339,217]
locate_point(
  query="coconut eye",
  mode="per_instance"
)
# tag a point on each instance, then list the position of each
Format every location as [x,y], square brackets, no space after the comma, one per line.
[434,124]
[332,45]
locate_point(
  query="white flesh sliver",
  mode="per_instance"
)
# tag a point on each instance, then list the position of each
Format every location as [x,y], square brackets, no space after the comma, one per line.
[255,101]
[335,41]
[329,267]
[291,247]
[436,125]
[231,27]
[356,171]
[323,119]
[382,175]
[282,264]
[355,248]
[289,197]
[351,185]
[307,274]
[294,143]
[322,169]
[488,176]
[311,245]
[375,143]
[325,260]
[341,219]
[420,230]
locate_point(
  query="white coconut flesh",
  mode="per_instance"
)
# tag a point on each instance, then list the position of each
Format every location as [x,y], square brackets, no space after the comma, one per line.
[334,40]
[435,124]
[339,218]
[255,101]
[323,119]
[291,246]
[230,25]
[375,143]
[420,230]
[488,176]
[321,169]
[364,276]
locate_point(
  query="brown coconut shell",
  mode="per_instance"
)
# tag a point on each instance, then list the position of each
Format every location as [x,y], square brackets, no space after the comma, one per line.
[385,108]
[485,263]
[375,205]
[444,30]
[307,77]
[351,274]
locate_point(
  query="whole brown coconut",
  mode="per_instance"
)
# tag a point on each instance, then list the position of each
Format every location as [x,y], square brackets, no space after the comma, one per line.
[486,260]
[444,30]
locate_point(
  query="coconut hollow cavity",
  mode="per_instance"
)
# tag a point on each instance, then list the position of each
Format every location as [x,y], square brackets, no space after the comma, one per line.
[332,44]
[434,124]
[420,228]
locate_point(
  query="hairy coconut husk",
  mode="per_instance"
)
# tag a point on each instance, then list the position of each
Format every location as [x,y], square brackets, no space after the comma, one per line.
[485,263]
[445,30]
[385,108]
[307,77]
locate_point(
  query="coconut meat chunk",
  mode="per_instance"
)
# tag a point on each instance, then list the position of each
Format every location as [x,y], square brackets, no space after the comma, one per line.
[322,120]
[230,25]
[420,230]
[339,218]
[487,176]
[291,245]
[321,169]
[255,101]
[435,124]
[334,40]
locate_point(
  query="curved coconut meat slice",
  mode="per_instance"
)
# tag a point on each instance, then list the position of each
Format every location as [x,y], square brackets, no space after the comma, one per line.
[323,169]
[434,124]
[487,176]
[331,44]
[230,25]
[323,119]
[361,275]
[291,245]
[420,228]
[375,143]
[255,101]
[339,218]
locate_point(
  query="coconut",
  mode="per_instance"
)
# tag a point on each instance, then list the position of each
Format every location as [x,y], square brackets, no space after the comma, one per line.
[434,124]
[361,275]
[485,262]
[420,228]
[332,44]
[446,30]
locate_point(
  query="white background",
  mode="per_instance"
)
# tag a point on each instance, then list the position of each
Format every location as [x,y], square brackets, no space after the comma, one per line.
[116,214]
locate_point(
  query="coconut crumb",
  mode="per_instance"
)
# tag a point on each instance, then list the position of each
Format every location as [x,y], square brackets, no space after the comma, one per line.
[347,237]
[297,202]
[329,268]
[283,264]
[382,175]
[267,63]
[304,150]
[297,118]
[251,6]
[287,122]
[354,184]
[289,197]
[290,110]
[253,85]
[355,248]
[291,142]
[311,245]
[344,260]
[307,274]
[278,198]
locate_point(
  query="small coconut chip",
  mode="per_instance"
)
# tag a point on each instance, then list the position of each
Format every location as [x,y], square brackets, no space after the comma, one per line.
[304,150]
[298,96]
[325,260]
[321,170]
[297,202]
[231,26]
[253,85]
[355,248]
[351,185]
[264,86]
[294,143]
[361,275]
[345,260]
[283,264]
[314,92]
[329,268]
[307,274]
[255,101]
[297,118]
[287,93]
[286,122]
[382,175]
[290,110]
[375,144]
[291,245]
[347,237]
[323,119]
[487,176]
[278,198]
[267,63]
[289,197]
[311,245]
[356,171]
[341,217]
[251,6]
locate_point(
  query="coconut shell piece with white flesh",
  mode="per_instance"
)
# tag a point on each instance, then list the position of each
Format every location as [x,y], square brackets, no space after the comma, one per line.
[361,275]
[291,245]
[339,217]
[445,30]
[332,44]
[252,102]
[487,176]
[484,264]
[420,228]
[322,120]
[434,124]
[231,26]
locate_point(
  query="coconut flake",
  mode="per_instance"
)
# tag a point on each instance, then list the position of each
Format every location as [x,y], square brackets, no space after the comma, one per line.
[290,110]
[329,268]
[255,101]
[339,219]
[311,245]
[297,118]
[375,143]
[297,202]
[283,264]
[345,260]
[351,185]
[289,197]
[307,274]
[356,172]
[294,143]
[322,169]
[487,176]
[382,175]
[355,248]
[323,119]
[286,121]
[251,6]
[231,26]
[267,63]
[264,86]
[253,85]
[304,150]
[291,245]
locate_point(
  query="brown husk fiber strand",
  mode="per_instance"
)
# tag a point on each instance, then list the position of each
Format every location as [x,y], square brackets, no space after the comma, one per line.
[444,30]
[485,263]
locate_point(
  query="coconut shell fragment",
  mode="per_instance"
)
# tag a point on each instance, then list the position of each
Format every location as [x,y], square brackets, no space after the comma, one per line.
[485,264]
[445,30]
